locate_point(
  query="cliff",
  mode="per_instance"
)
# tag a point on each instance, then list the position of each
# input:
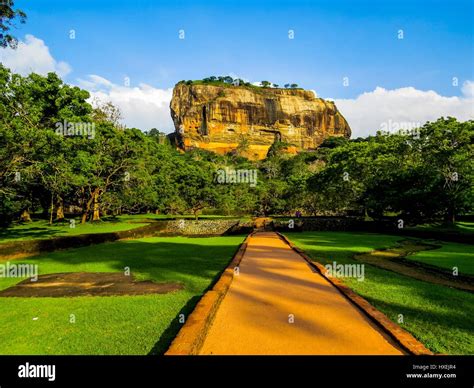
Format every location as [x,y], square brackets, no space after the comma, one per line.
[222,117]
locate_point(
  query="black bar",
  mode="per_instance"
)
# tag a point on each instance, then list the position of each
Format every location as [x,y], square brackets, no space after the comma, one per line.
[178,371]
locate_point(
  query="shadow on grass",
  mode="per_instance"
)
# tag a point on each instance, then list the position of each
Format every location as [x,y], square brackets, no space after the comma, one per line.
[176,258]
[441,328]
[197,263]
[25,234]
[175,326]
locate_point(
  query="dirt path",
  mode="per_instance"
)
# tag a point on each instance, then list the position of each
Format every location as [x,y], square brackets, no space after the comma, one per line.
[278,305]
[394,259]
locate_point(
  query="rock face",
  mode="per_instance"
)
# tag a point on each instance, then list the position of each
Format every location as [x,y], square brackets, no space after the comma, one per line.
[225,118]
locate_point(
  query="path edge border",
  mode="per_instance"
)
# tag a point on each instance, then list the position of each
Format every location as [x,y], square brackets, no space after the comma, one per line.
[190,337]
[402,337]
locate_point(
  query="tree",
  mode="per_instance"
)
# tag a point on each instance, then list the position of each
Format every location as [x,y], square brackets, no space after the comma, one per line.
[265,84]
[196,187]
[294,86]
[105,111]
[446,146]
[30,109]
[333,142]
[104,163]
[158,136]
[423,176]
[243,146]
[8,16]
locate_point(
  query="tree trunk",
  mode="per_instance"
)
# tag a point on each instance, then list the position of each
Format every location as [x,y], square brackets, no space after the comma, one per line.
[52,210]
[25,216]
[60,209]
[450,216]
[44,208]
[96,212]
[86,211]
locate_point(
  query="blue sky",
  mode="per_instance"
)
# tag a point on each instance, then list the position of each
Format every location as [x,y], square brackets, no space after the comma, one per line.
[389,79]
[332,40]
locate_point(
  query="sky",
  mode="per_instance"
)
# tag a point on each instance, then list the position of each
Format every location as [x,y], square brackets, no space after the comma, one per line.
[383,62]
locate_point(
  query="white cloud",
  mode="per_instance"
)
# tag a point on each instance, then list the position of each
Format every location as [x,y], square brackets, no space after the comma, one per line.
[143,106]
[371,111]
[468,89]
[32,56]
[146,107]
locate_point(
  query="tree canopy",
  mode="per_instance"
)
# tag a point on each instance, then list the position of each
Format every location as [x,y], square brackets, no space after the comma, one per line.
[60,155]
[8,16]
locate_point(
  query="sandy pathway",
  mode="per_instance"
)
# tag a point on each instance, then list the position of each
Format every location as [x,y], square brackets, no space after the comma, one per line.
[278,305]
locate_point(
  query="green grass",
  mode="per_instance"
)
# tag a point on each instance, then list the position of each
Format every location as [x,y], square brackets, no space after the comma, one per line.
[141,217]
[114,324]
[440,317]
[450,255]
[40,229]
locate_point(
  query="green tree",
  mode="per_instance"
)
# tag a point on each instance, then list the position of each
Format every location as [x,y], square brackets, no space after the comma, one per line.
[196,187]
[8,16]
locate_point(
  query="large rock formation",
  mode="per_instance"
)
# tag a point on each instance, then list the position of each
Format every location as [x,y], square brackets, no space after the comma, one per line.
[224,118]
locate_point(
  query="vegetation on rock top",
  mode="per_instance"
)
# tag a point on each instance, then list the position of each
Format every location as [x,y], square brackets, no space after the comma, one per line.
[228,81]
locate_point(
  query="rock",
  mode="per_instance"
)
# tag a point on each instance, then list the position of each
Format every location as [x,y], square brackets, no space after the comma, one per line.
[224,118]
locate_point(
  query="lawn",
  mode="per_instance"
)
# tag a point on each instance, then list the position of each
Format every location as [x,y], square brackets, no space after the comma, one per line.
[440,317]
[114,324]
[40,229]
[450,255]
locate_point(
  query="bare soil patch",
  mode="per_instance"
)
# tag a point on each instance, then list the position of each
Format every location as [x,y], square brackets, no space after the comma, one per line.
[73,284]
